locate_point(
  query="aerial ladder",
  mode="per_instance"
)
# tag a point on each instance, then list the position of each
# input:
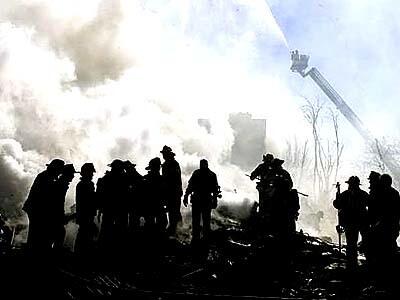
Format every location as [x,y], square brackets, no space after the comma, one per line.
[300,65]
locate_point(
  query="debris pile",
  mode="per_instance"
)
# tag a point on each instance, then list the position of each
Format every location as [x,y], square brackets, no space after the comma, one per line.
[236,264]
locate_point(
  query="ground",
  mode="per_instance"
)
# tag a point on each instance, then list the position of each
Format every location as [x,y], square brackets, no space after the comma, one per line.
[239,263]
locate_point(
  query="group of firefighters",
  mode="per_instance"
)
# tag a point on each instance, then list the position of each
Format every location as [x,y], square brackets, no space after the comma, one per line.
[123,201]
[278,202]
[374,215]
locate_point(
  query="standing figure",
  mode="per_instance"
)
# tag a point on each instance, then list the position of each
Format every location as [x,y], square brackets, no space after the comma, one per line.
[284,202]
[353,205]
[264,173]
[171,173]
[37,205]
[374,194]
[86,207]
[57,213]
[134,182]
[374,216]
[204,190]
[112,195]
[388,226]
[153,193]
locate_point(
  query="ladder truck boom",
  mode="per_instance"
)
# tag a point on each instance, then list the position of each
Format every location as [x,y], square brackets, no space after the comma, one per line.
[299,65]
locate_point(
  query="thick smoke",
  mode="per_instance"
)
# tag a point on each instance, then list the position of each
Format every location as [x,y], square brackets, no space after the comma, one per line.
[14,178]
[99,80]
[110,79]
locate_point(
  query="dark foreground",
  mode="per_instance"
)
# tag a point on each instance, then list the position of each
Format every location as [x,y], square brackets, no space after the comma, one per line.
[237,265]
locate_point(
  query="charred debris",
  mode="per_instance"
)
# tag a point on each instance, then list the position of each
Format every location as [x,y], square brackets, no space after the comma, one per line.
[239,262]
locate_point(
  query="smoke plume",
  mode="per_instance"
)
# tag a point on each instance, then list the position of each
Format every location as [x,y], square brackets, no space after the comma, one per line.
[109,79]
[102,79]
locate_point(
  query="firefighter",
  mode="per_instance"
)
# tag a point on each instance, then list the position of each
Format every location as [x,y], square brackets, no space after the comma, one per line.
[57,218]
[353,205]
[112,193]
[204,190]
[264,168]
[86,207]
[265,175]
[153,193]
[387,225]
[371,248]
[171,173]
[281,175]
[37,205]
[373,203]
[284,202]
[134,181]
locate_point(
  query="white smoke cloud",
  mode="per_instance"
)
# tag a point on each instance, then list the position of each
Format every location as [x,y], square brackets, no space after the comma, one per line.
[112,79]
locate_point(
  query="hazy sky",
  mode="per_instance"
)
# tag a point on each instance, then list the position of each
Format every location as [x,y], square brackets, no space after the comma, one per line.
[355,45]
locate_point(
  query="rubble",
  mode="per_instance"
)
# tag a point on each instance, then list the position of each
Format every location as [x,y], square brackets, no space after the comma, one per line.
[235,265]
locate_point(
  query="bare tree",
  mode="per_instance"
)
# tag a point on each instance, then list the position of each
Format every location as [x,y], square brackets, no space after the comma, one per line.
[311,112]
[384,156]
[327,152]
[297,160]
[338,145]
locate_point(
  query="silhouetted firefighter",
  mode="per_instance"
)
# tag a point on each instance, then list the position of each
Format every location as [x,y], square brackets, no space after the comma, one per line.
[353,205]
[153,193]
[112,194]
[373,201]
[57,218]
[171,173]
[279,203]
[204,190]
[265,175]
[284,202]
[38,203]
[386,228]
[374,216]
[86,207]
[134,182]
